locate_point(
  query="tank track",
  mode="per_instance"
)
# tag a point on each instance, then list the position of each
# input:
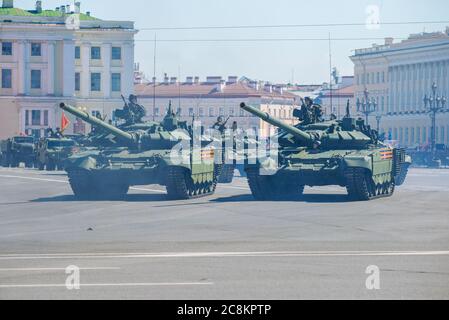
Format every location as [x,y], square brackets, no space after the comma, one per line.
[80,182]
[227,174]
[402,176]
[85,188]
[361,187]
[180,185]
[269,188]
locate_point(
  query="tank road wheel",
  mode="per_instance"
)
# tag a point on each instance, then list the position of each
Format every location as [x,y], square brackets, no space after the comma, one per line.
[81,183]
[227,174]
[360,185]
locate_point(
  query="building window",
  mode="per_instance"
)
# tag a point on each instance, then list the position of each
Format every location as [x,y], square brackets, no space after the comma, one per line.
[6,78]
[116,82]
[77,81]
[116,53]
[36,49]
[35,79]
[7,48]
[95,81]
[95,53]
[211,112]
[442,135]
[221,112]
[201,112]
[191,112]
[406,136]
[179,112]
[45,117]
[77,52]
[27,117]
[35,117]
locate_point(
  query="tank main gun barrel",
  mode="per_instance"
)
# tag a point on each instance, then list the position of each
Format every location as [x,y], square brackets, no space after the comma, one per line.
[299,134]
[94,121]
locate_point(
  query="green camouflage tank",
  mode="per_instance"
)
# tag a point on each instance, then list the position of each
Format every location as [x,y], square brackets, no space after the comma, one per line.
[345,153]
[141,153]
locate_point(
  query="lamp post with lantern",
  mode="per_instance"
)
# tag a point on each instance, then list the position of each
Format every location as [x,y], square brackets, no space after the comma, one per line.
[366,106]
[434,104]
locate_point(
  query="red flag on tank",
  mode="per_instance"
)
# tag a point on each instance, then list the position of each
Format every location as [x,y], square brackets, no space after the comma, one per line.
[64,122]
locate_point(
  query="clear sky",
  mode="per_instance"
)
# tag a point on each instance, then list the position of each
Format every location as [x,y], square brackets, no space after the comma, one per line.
[304,61]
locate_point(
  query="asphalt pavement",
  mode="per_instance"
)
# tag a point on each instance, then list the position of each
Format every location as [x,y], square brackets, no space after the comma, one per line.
[226,246]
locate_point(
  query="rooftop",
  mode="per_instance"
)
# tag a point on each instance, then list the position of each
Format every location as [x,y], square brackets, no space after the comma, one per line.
[419,40]
[346,92]
[206,89]
[16,12]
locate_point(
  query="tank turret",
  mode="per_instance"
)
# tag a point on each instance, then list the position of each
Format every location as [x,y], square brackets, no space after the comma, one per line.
[327,134]
[94,121]
[305,137]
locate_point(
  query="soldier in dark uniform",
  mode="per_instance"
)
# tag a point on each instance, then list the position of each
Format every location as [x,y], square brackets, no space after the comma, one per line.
[220,124]
[50,133]
[137,110]
[58,134]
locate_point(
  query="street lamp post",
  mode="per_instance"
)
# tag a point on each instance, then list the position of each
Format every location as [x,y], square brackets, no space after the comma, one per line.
[367,106]
[434,103]
[378,118]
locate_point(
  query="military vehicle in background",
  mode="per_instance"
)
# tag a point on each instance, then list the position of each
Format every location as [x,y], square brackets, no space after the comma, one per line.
[315,152]
[140,153]
[427,158]
[234,146]
[17,150]
[51,153]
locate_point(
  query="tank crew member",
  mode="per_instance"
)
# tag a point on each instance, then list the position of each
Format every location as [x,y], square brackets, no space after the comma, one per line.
[137,110]
[220,125]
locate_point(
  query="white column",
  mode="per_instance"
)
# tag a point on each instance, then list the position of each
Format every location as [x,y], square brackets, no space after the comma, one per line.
[51,68]
[22,67]
[68,78]
[128,67]
[85,74]
[106,53]
[15,71]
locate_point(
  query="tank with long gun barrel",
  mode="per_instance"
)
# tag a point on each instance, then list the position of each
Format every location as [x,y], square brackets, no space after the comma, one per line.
[315,152]
[331,134]
[94,121]
[144,154]
[305,137]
